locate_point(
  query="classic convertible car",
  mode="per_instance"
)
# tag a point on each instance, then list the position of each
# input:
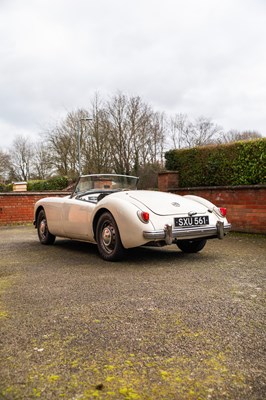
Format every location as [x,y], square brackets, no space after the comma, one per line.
[109,210]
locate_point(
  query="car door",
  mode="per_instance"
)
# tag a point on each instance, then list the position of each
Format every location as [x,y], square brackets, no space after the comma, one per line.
[77,219]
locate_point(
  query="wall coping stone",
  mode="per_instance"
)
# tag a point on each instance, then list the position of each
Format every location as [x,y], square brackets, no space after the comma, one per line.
[50,193]
[239,187]
[168,172]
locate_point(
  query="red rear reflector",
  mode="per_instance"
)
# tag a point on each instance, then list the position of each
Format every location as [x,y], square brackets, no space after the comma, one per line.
[223,211]
[145,216]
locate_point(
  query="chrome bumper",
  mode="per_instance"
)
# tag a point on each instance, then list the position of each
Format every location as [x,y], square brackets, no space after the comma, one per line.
[168,234]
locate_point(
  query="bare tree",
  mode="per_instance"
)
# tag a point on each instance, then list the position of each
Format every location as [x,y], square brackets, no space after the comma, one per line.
[4,166]
[119,134]
[97,150]
[250,135]
[21,158]
[157,138]
[59,145]
[139,143]
[124,134]
[63,143]
[235,136]
[42,164]
[202,132]
[136,133]
[179,129]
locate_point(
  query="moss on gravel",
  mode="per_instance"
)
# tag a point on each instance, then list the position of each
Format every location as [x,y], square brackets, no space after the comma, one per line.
[62,369]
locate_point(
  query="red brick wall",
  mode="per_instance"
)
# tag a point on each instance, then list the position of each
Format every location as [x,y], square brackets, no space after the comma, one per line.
[17,207]
[246,205]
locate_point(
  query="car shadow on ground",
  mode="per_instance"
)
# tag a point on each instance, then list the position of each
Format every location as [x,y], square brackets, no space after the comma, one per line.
[76,250]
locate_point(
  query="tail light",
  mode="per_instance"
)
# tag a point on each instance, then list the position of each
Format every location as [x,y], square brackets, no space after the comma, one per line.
[144,216]
[220,211]
[223,211]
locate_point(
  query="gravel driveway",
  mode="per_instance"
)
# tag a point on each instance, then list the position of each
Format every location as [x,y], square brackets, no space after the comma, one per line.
[159,325]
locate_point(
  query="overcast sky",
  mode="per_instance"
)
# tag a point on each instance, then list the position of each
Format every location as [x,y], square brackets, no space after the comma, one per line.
[199,57]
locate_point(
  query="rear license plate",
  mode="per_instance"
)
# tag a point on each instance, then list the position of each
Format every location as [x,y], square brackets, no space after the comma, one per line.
[191,221]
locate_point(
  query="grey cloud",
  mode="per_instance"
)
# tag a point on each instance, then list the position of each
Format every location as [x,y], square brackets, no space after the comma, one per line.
[202,58]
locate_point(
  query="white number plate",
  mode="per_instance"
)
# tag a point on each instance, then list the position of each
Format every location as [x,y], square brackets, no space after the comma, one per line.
[191,221]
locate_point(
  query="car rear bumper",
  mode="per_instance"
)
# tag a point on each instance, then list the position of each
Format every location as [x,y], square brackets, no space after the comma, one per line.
[169,234]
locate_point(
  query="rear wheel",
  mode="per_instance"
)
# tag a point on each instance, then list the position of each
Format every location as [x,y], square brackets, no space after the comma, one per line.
[191,246]
[108,238]
[45,236]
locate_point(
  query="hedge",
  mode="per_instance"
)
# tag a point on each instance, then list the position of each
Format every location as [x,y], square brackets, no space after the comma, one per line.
[239,163]
[54,183]
[6,188]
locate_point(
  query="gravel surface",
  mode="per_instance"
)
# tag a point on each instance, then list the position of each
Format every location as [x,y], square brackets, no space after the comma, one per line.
[159,325]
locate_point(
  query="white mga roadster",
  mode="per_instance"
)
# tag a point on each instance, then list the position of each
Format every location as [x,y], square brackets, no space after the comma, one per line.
[107,209]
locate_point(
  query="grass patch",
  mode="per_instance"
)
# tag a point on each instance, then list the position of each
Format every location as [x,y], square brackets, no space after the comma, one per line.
[5,283]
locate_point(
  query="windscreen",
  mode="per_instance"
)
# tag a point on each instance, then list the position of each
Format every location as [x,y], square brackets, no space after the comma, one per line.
[103,182]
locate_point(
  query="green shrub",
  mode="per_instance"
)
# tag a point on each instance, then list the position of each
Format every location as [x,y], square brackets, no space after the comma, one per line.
[240,163]
[6,188]
[54,183]
[249,166]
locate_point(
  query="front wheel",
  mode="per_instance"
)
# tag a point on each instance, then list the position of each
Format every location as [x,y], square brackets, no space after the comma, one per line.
[45,236]
[108,239]
[191,246]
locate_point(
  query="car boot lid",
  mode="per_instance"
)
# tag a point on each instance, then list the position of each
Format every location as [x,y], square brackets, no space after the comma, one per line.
[162,203]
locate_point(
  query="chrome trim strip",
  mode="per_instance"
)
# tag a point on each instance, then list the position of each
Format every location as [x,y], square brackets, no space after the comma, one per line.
[188,233]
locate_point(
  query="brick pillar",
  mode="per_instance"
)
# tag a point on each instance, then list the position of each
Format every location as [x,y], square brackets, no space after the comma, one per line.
[168,180]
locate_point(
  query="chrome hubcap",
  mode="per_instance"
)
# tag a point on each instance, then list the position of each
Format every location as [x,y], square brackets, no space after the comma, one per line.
[107,236]
[43,228]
